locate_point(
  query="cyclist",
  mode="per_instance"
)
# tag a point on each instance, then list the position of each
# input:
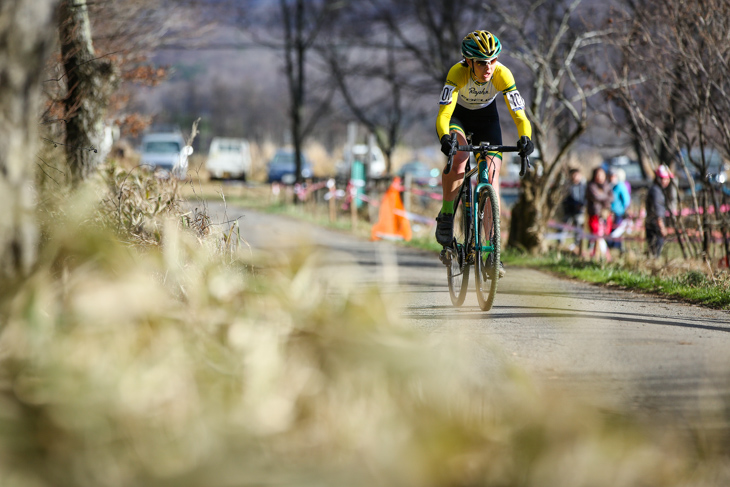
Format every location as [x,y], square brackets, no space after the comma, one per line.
[466,106]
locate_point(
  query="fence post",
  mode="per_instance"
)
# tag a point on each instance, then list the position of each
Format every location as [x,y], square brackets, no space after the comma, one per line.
[407,185]
[333,198]
[275,190]
[353,206]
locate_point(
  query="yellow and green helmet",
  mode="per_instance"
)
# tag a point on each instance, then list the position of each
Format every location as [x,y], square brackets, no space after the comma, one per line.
[480,45]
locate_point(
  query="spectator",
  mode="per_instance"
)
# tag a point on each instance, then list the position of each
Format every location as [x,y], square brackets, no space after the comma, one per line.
[621,202]
[656,209]
[599,197]
[574,206]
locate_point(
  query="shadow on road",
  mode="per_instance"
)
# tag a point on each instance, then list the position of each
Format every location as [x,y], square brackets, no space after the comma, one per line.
[509,313]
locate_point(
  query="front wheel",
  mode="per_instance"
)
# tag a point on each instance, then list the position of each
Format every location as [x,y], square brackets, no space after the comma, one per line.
[457,267]
[487,248]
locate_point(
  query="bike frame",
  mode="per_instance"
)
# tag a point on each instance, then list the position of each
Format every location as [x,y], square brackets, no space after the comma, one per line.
[482,149]
[471,237]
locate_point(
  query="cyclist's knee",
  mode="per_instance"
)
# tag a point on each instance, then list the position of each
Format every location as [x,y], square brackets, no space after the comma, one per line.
[459,136]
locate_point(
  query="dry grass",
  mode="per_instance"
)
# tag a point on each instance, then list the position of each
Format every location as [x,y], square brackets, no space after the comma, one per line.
[167,365]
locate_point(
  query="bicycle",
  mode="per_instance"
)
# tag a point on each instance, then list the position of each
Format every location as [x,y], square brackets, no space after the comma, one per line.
[477,209]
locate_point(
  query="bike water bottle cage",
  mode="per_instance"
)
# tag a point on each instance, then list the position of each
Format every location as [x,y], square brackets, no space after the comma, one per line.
[480,45]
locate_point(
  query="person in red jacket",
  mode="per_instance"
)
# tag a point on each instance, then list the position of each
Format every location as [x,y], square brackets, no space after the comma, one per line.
[599,196]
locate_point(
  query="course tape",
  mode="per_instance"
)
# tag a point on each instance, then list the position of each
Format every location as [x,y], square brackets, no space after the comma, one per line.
[304,190]
[627,230]
[617,235]
[415,217]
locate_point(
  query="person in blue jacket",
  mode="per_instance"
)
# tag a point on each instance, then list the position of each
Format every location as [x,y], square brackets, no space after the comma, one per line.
[621,202]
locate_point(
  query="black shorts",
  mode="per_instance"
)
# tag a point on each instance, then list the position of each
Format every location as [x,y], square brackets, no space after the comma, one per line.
[483,123]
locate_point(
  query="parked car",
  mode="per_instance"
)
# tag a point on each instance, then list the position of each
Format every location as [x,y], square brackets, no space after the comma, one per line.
[228,158]
[635,175]
[360,152]
[282,167]
[420,173]
[166,151]
[510,175]
[717,169]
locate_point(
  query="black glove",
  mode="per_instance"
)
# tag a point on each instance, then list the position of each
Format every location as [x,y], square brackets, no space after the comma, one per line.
[446,144]
[525,146]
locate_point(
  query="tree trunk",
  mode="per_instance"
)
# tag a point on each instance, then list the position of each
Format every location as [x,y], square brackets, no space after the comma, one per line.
[294,55]
[539,198]
[26,32]
[299,98]
[528,223]
[89,82]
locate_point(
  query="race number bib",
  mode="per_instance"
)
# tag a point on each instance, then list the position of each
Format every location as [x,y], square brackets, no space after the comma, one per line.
[446,94]
[516,102]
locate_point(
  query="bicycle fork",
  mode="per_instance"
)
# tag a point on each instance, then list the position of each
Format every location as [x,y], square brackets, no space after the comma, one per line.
[480,246]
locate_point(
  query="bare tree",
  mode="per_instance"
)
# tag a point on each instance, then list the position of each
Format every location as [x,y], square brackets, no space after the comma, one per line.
[555,46]
[700,36]
[302,22]
[127,34]
[90,80]
[681,106]
[104,47]
[650,110]
[372,87]
[430,33]
[26,35]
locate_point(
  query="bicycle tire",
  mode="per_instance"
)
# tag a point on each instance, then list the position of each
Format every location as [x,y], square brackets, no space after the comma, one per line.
[487,263]
[457,272]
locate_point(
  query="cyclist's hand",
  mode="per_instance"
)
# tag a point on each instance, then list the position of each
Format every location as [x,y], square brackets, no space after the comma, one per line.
[525,146]
[446,145]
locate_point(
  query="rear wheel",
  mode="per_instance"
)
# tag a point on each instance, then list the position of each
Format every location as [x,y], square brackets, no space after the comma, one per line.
[457,267]
[488,248]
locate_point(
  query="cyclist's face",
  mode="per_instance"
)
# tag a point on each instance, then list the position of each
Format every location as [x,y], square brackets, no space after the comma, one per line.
[483,70]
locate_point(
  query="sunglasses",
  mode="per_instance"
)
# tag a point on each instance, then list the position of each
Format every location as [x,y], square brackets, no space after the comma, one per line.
[484,63]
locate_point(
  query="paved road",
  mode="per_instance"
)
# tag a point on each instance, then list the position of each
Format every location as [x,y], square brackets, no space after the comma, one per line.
[662,359]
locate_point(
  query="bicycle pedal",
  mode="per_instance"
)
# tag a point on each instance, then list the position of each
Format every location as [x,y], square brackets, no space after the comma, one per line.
[445,256]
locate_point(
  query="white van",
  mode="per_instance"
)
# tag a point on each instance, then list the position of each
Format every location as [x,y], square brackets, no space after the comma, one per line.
[228,158]
[166,151]
[360,153]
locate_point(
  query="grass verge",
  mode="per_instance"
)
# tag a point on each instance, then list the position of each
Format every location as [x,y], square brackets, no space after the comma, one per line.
[686,281]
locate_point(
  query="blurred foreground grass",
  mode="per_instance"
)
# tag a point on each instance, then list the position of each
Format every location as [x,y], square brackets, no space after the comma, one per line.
[155,361]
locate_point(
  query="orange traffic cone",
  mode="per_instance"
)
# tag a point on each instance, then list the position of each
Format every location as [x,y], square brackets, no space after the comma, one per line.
[391,226]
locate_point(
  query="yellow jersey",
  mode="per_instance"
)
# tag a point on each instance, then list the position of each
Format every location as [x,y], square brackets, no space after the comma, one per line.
[461,88]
